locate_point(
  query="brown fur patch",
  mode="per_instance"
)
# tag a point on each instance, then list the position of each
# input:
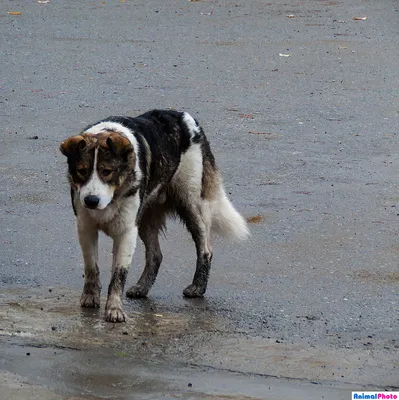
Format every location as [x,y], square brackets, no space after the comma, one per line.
[80,153]
[114,142]
[115,158]
[72,145]
[210,181]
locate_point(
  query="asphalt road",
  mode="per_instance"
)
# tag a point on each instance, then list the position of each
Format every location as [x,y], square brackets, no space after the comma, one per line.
[302,114]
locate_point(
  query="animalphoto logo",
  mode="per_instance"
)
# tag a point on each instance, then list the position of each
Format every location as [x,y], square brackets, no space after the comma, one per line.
[375,395]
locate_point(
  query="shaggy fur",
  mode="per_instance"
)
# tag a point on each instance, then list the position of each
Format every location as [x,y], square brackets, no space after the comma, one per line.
[127,175]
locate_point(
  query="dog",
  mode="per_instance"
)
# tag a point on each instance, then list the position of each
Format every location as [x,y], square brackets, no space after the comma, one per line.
[126,176]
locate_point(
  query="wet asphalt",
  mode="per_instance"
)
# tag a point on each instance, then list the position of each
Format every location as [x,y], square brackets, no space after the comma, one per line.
[300,104]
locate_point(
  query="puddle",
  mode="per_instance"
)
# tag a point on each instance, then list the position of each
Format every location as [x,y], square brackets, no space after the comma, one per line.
[42,319]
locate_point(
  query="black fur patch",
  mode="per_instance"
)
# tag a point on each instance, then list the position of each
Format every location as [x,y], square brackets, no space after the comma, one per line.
[118,281]
[79,161]
[167,137]
[131,192]
[73,200]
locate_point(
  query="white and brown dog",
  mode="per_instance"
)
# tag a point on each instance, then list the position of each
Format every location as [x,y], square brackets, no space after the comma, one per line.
[127,175]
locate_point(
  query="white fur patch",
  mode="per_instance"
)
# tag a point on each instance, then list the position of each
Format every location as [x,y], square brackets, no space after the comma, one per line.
[123,249]
[191,124]
[226,221]
[189,173]
[116,127]
[114,220]
[96,187]
[127,212]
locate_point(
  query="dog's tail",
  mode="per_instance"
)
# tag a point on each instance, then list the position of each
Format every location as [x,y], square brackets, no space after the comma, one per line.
[226,221]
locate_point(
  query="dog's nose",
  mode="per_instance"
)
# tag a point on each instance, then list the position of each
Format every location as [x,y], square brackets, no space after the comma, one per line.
[92,201]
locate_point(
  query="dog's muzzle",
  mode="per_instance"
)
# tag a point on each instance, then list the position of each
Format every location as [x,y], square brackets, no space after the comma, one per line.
[92,201]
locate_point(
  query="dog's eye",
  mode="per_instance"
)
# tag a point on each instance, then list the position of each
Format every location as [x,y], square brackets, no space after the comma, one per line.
[82,171]
[106,172]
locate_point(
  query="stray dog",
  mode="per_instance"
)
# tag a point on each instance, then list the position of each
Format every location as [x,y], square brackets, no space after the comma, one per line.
[127,175]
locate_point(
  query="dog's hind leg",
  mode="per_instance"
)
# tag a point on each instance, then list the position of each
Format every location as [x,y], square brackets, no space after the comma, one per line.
[198,222]
[151,223]
[88,238]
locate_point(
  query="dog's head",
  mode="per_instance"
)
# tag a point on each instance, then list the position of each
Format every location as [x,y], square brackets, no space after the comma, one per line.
[98,166]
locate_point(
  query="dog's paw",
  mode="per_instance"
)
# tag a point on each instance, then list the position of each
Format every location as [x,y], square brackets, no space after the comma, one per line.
[90,300]
[193,291]
[115,314]
[137,292]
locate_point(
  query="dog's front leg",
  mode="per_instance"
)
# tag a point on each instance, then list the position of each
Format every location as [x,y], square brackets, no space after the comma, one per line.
[123,249]
[88,239]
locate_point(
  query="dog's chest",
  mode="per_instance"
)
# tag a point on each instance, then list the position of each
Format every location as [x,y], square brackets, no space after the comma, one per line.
[116,218]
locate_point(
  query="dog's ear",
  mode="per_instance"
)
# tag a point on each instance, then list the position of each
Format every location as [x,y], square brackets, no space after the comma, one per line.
[119,145]
[73,145]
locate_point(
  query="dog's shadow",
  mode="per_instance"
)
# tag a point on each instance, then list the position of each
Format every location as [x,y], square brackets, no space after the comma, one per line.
[160,317]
